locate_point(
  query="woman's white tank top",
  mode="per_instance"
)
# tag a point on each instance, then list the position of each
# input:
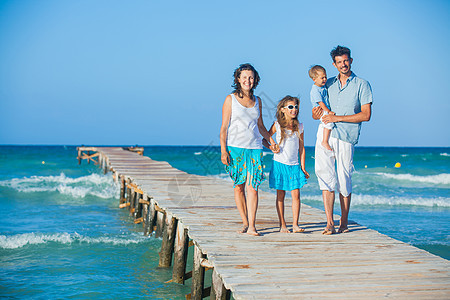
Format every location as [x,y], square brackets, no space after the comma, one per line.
[288,154]
[243,130]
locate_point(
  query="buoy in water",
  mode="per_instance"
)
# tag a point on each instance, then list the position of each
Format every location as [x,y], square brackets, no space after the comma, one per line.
[43,162]
[398,165]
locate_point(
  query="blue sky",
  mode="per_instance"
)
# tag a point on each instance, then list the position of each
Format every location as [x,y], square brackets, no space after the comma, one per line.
[157,72]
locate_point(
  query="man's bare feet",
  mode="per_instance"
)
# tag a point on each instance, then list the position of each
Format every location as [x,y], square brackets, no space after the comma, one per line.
[296,229]
[343,230]
[285,230]
[326,145]
[252,231]
[243,230]
[328,231]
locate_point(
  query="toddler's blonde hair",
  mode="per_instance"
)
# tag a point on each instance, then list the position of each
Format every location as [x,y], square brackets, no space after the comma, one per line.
[314,71]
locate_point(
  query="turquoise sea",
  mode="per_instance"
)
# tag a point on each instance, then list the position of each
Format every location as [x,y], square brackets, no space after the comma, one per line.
[62,234]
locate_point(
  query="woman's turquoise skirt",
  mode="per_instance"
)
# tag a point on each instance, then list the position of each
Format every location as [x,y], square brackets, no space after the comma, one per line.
[246,162]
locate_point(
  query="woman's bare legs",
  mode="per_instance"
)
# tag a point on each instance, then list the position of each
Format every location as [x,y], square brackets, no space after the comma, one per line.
[252,206]
[280,210]
[239,197]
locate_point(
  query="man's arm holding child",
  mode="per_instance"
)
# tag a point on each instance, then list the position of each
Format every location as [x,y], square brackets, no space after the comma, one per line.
[363,116]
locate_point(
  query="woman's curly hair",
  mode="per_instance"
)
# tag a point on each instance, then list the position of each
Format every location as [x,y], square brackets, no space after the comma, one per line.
[237,73]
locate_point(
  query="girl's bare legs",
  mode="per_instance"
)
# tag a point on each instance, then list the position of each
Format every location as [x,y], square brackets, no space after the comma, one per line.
[296,210]
[280,210]
[252,205]
[239,197]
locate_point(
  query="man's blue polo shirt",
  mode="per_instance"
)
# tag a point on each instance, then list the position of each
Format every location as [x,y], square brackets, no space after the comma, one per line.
[347,100]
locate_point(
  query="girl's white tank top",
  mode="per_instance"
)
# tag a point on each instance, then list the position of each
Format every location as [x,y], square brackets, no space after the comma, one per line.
[288,154]
[243,129]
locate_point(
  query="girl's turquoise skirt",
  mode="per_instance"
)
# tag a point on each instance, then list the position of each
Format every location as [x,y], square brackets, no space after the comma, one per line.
[286,177]
[246,162]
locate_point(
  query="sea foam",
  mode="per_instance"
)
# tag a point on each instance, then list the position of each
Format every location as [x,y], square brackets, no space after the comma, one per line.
[443,178]
[397,200]
[368,200]
[95,185]
[20,240]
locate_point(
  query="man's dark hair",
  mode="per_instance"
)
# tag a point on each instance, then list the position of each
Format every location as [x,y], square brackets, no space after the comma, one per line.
[339,51]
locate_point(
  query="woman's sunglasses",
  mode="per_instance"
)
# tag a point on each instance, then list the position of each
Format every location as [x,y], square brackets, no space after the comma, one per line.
[292,106]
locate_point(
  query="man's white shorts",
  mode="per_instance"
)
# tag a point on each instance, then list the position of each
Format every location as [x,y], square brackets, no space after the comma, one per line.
[334,168]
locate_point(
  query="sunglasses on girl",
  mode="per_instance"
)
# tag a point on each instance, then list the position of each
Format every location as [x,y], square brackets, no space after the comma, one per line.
[292,106]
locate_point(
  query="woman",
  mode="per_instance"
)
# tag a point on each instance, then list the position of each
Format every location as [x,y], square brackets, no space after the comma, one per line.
[241,143]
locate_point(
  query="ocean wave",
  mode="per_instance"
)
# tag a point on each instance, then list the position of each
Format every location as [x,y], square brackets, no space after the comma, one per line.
[445,154]
[95,185]
[367,200]
[443,178]
[21,240]
[396,200]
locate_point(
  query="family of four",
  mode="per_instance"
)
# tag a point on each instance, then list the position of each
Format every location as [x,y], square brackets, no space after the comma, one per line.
[341,103]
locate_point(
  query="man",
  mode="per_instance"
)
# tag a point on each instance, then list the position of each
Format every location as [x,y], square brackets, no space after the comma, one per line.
[350,99]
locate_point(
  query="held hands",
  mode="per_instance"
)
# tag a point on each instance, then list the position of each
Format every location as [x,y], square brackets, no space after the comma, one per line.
[272,146]
[275,148]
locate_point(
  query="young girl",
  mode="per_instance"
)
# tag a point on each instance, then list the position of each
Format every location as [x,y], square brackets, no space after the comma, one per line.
[286,174]
[240,143]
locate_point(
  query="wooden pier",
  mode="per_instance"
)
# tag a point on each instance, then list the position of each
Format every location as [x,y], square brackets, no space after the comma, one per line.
[189,210]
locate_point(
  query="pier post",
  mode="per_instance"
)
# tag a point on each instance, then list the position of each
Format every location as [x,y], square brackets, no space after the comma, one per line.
[168,240]
[122,189]
[145,202]
[132,200]
[107,165]
[137,213]
[160,216]
[218,290]
[104,165]
[150,217]
[180,254]
[198,275]
[100,160]
[128,201]
[144,212]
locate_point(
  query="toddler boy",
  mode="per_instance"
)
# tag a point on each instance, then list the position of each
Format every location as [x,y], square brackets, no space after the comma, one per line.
[319,97]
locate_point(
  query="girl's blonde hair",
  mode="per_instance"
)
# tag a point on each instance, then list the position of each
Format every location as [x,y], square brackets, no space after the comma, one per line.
[281,118]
